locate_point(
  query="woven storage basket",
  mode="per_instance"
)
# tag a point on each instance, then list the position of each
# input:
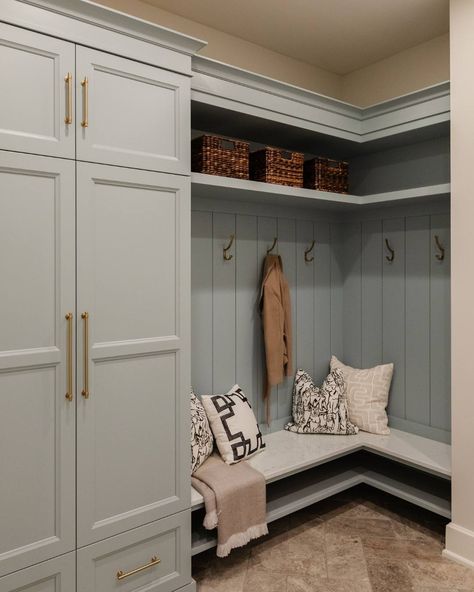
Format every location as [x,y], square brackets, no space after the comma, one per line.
[214,155]
[273,165]
[326,174]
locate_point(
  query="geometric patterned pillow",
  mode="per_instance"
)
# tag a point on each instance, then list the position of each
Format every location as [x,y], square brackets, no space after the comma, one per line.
[320,410]
[233,424]
[367,395]
[202,441]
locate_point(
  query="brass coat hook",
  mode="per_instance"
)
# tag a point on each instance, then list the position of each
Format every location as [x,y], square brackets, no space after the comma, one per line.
[307,252]
[441,249]
[275,240]
[228,257]
[390,257]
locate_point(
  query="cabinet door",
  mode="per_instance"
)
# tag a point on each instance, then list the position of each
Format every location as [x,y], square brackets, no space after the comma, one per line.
[133,282]
[155,558]
[36,100]
[37,421]
[131,114]
[55,575]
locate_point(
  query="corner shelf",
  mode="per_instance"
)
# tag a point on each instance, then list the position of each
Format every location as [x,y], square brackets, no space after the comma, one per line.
[213,187]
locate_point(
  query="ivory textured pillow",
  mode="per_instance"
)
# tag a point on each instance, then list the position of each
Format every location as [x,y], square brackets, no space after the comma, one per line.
[320,410]
[202,441]
[367,395]
[233,424]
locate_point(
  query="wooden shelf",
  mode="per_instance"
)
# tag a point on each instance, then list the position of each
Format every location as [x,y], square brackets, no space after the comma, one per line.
[213,187]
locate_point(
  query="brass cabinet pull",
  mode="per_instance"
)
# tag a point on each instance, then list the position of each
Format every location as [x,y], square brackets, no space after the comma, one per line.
[69,393]
[85,390]
[68,81]
[85,98]
[125,574]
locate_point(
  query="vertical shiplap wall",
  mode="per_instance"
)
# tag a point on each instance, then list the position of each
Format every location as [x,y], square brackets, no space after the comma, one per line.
[399,312]
[226,327]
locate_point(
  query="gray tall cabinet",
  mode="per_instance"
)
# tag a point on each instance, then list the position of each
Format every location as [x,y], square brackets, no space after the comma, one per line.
[94,300]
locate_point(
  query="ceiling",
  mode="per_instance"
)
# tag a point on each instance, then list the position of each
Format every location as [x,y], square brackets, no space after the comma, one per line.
[338,35]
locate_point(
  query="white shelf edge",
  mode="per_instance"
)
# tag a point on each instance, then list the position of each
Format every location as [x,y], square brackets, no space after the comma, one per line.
[245,189]
[409,493]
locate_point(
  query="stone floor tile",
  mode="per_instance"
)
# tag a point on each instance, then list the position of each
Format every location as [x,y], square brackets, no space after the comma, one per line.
[305,584]
[366,527]
[281,561]
[345,557]
[261,580]
[401,549]
[387,575]
[444,572]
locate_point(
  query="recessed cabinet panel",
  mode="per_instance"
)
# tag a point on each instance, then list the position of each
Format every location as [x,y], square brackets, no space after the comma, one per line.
[131,114]
[36,102]
[56,575]
[133,277]
[155,557]
[37,421]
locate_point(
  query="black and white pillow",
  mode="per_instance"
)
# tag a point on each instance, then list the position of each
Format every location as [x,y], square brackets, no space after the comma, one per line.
[233,424]
[202,441]
[320,410]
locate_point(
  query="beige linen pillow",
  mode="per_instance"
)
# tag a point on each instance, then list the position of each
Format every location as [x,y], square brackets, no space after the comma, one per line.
[367,395]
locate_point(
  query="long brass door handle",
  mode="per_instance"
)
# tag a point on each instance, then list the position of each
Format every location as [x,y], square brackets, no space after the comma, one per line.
[68,81]
[85,104]
[121,575]
[85,390]
[69,392]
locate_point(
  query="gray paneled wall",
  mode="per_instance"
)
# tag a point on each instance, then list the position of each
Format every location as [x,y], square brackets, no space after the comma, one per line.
[226,328]
[399,312]
[349,301]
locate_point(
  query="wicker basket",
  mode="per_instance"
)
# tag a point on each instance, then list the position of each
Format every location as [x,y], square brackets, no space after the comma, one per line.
[326,174]
[214,155]
[273,165]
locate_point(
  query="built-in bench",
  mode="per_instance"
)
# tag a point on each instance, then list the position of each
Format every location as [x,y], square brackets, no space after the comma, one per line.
[411,467]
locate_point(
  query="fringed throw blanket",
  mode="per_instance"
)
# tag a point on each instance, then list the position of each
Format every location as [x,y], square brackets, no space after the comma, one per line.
[235,501]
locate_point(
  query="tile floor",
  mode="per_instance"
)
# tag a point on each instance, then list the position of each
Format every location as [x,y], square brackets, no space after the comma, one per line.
[360,541]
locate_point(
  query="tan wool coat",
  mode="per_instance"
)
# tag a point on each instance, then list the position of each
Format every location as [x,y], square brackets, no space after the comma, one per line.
[275,306]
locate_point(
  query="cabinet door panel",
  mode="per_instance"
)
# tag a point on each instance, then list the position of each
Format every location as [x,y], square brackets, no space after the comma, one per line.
[37,422]
[138,115]
[133,281]
[34,100]
[55,575]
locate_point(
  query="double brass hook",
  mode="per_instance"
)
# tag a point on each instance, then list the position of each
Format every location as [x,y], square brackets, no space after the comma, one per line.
[228,257]
[308,251]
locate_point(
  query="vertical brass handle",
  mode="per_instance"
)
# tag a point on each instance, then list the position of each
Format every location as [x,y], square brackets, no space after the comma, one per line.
[68,81]
[85,105]
[85,390]
[69,393]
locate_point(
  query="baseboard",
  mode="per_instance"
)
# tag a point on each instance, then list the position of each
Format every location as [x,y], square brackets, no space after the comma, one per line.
[188,588]
[459,544]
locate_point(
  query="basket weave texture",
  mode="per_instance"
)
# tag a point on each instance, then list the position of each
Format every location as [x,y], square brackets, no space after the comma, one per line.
[273,165]
[326,174]
[214,155]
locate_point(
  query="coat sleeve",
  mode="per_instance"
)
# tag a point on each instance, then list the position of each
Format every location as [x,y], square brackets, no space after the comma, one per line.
[272,317]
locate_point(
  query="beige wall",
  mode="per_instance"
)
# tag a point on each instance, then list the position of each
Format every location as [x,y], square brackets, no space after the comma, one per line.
[460,533]
[235,51]
[404,72]
[407,71]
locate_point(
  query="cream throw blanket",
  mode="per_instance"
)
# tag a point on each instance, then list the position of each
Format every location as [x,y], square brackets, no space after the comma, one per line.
[235,501]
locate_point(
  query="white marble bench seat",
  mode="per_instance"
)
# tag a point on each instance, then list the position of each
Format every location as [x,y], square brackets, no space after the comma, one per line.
[288,453]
